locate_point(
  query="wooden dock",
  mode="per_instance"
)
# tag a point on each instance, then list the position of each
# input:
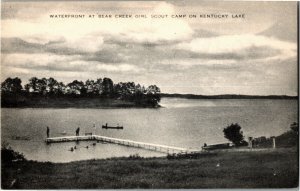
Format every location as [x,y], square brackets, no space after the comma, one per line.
[125,142]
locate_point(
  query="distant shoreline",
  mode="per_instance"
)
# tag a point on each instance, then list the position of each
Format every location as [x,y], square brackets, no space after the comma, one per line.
[226,96]
[109,103]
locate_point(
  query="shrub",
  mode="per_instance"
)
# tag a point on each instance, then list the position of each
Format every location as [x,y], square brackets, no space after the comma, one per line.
[8,155]
[135,156]
[234,134]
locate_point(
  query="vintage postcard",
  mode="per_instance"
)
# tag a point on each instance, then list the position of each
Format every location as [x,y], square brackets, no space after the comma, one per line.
[149,94]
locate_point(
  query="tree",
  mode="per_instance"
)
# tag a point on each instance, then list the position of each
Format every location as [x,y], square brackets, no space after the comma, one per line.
[153,89]
[295,127]
[32,84]
[234,134]
[59,89]
[42,86]
[37,85]
[125,90]
[52,84]
[90,87]
[153,95]
[12,85]
[76,87]
[108,87]
[98,87]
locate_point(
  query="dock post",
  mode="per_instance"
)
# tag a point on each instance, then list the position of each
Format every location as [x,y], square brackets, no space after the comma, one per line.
[273,142]
[250,142]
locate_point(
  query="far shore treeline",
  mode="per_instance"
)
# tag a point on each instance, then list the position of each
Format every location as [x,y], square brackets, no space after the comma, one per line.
[91,93]
[100,93]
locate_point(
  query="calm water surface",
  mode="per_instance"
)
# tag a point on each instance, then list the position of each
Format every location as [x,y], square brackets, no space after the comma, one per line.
[181,122]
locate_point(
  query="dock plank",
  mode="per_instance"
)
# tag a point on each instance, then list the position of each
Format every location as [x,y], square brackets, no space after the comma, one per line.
[125,142]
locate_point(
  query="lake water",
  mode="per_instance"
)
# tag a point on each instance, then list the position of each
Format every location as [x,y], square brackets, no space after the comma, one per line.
[181,122]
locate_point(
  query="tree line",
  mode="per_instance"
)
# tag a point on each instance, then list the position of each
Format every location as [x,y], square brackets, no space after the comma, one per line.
[101,88]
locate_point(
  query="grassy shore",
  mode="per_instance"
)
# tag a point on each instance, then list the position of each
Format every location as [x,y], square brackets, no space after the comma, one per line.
[68,102]
[274,168]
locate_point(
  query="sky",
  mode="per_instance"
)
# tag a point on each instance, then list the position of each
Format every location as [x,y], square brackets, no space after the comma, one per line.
[253,55]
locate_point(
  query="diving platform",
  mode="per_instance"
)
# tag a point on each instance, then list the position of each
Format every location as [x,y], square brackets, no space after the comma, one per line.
[125,142]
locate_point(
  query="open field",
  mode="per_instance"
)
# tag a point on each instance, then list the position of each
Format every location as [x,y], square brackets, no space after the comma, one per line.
[258,169]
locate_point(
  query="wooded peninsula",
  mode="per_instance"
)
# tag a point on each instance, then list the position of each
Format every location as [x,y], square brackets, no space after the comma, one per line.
[100,93]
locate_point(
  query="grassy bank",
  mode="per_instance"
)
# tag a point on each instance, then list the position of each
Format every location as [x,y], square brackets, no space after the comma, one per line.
[260,169]
[67,102]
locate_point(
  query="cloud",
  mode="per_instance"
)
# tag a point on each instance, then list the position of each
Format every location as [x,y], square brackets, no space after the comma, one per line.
[108,53]
[277,30]
[86,44]
[37,45]
[17,45]
[121,67]
[70,35]
[51,62]
[37,62]
[247,45]
[213,64]
[87,34]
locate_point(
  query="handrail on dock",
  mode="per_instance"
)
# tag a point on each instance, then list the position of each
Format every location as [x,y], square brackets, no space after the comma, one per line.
[125,142]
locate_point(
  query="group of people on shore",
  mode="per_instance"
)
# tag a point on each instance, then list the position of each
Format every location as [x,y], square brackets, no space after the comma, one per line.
[48,131]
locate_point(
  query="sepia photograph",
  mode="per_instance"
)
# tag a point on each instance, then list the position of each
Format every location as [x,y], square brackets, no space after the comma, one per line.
[168,94]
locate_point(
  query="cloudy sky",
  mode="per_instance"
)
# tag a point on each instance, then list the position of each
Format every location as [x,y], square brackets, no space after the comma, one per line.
[256,54]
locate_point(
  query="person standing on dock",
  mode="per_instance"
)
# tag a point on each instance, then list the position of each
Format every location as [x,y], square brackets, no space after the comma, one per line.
[48,131]
[77,131]
[94,125]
